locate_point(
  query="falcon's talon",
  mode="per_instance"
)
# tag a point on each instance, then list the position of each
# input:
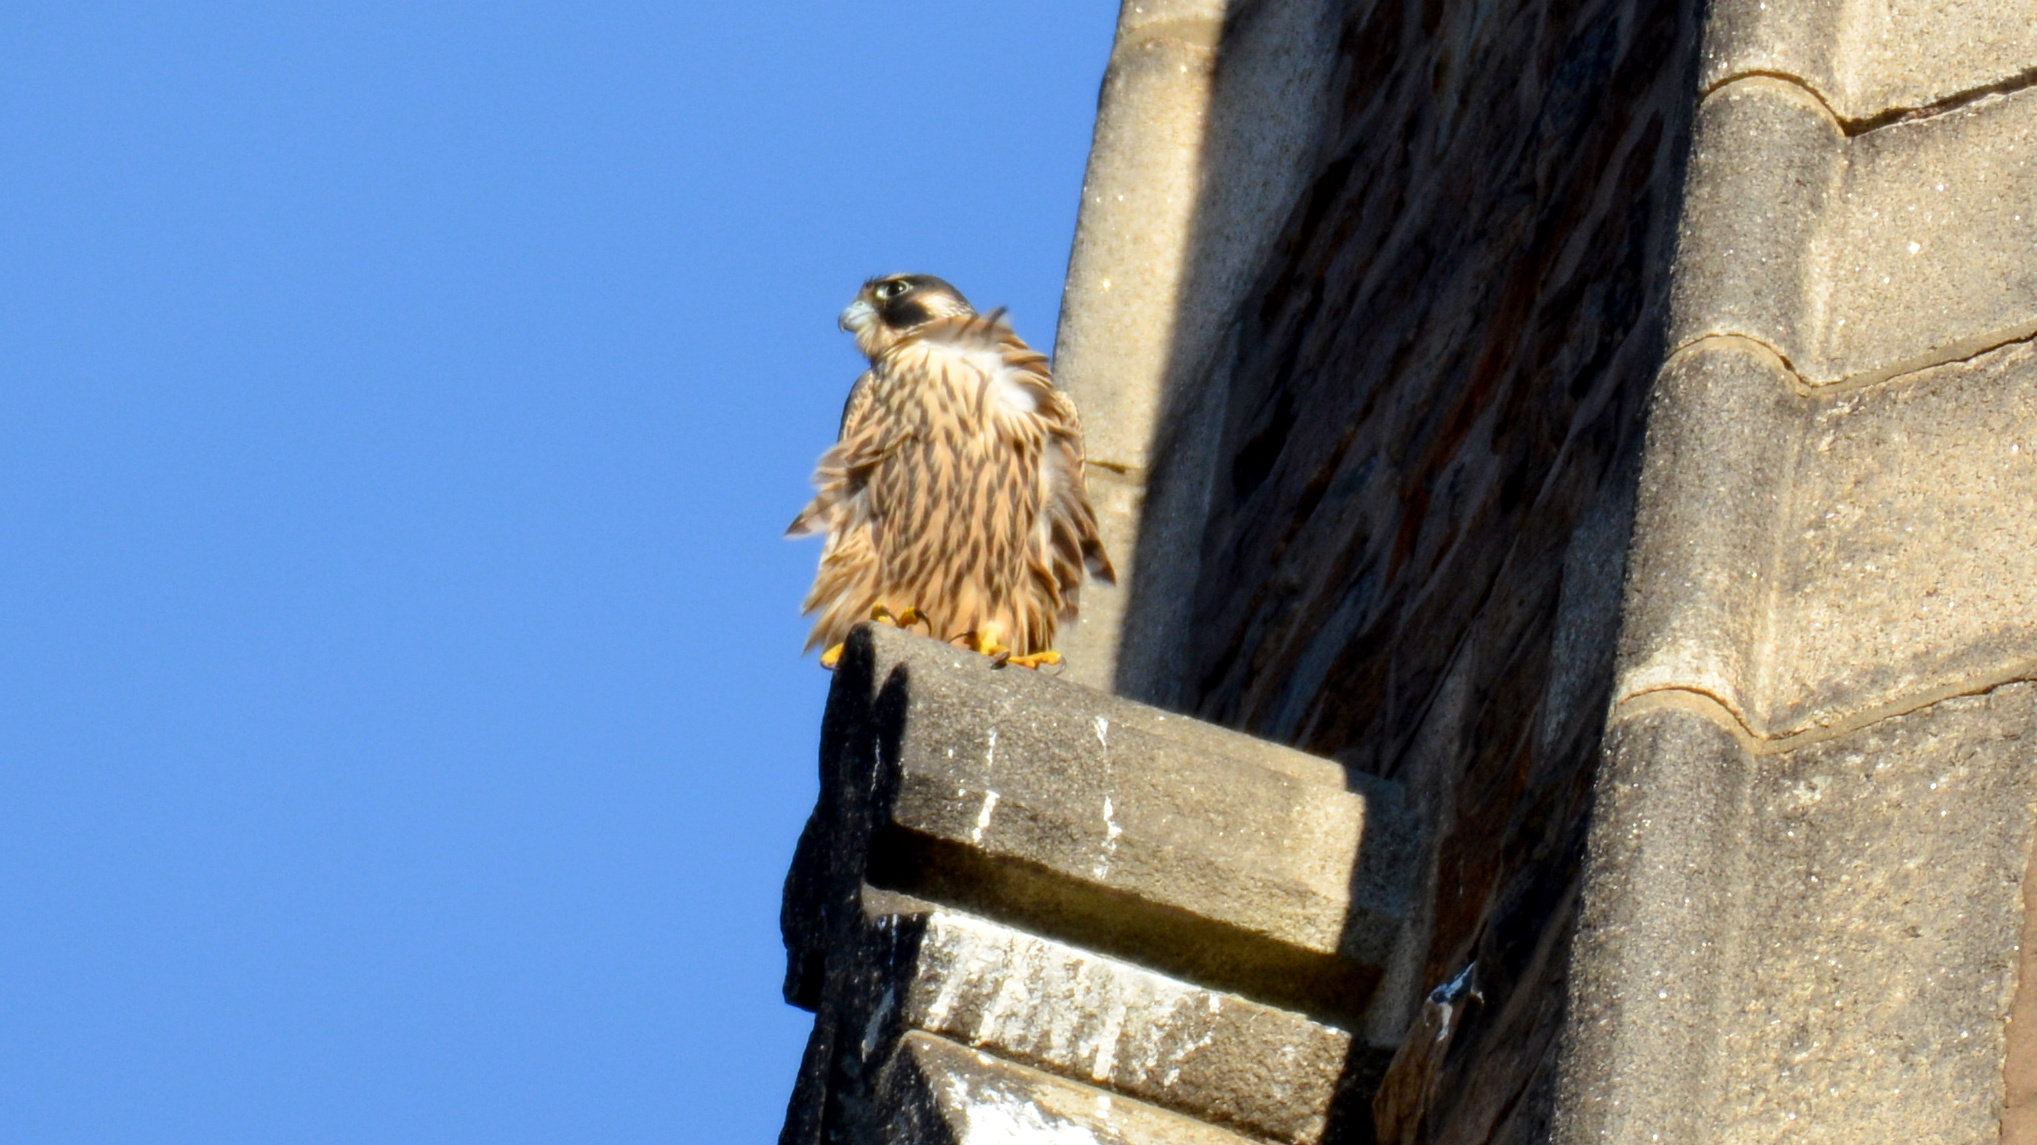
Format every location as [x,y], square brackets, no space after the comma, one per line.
[985,642]
[879,614]
[1035,659]
[833,656]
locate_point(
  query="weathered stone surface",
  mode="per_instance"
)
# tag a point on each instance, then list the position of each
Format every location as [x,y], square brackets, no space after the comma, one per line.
[1813,946]
[1871,58]
[1811,562]
[1207,118]
[934,1092]
[1087,1017]
[1722,452]
[1092,645]
[1766,162]
[1910,549]
[1647,980]
[1926,255]
[1138,205]
[1859,259]
[2019,1071]
[1881,929]
[1201,852]
[1417,508]
[1127,277]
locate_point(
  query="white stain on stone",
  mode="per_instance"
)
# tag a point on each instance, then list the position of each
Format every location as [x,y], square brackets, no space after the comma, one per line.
[1069,1011]
[983,814]
[1106,1042]
[994,1117]
[980,962]
[1111,830]
[1181,1053]
[1014,999]
[874,1028]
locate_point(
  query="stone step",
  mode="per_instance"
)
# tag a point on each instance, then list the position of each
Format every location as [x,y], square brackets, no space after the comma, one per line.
[1098,1020]
[1225,861]
[934,1092]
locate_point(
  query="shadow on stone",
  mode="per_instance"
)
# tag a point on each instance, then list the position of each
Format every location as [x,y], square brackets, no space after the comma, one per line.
[1168,939]
[828,962]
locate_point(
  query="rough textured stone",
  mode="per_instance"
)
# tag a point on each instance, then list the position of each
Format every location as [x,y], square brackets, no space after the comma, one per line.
[1648,981]
[1201,852]
[1909,569]
[1414,522]
[1722,448]
[1802,919]
[1859,259]
[1881,929]
[1203,130]
[1138,202]
[1087,1017]
[1872,58]
[1091,647]
[1084,824]
[1766,162]
[937,1093]
[1926,255]
[1813,562]
[1814,946]
[2019,1071]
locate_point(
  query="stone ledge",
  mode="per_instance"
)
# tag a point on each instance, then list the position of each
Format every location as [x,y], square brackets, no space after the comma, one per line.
[1858,260]
[1089,1018]
[1204,854]
[933,1092]
[1869,59]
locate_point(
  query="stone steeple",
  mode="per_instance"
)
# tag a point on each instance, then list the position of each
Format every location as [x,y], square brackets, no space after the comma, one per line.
[1576,467]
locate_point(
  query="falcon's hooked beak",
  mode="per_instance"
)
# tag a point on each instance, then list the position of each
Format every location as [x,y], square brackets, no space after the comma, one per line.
[858,315]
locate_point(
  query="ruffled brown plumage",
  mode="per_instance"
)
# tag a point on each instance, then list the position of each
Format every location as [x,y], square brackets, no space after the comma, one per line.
[956,487]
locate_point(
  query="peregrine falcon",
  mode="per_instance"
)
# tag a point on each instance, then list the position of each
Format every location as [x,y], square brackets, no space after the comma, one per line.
[954,498]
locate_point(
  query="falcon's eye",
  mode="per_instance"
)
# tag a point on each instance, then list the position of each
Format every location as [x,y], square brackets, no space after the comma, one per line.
[892,290]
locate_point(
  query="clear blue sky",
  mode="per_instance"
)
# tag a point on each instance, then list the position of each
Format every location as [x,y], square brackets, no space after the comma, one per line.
[403,732]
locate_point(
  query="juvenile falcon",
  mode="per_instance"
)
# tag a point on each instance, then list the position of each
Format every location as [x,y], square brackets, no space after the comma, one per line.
[955,496]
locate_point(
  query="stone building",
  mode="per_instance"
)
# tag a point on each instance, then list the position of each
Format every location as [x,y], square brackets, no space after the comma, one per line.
[1575,465]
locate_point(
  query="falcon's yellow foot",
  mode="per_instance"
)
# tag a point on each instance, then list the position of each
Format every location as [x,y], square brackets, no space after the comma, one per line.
[986,643]
[832,657]
[1035,659]
[879,614]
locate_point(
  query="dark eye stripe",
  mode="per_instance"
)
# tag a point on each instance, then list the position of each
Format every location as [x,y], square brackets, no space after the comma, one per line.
[903,314]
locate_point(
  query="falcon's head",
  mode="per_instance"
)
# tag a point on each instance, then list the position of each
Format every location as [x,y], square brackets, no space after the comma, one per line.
[889,308]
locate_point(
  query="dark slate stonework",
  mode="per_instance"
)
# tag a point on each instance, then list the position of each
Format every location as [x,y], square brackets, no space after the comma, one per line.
[1413,549]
